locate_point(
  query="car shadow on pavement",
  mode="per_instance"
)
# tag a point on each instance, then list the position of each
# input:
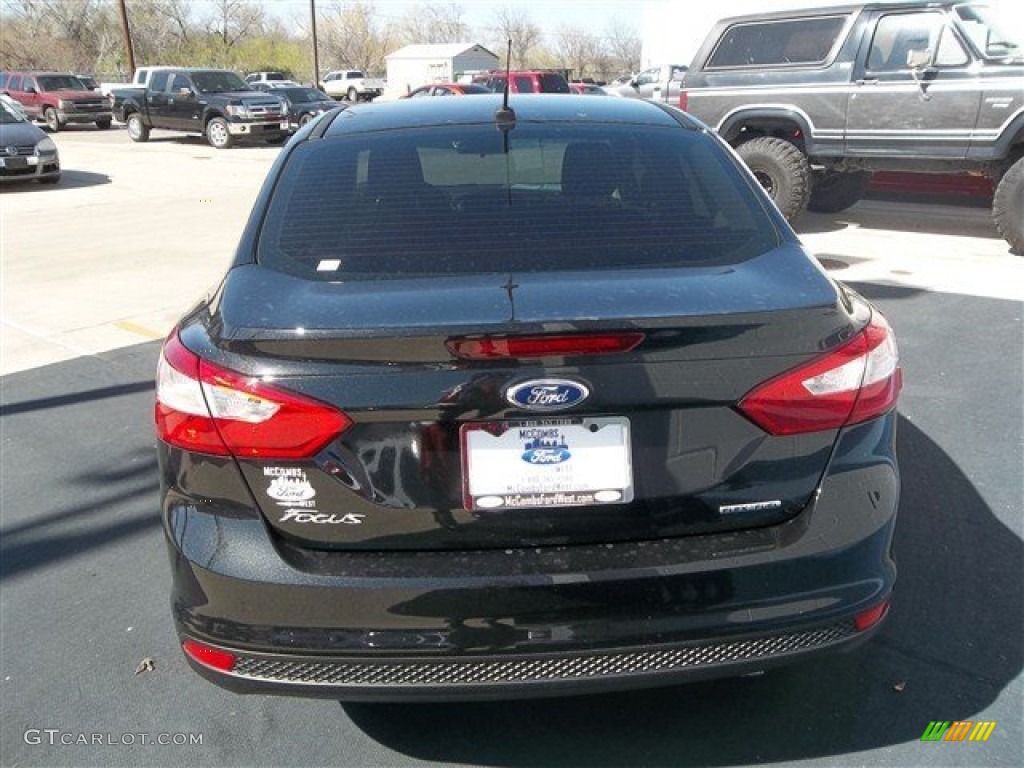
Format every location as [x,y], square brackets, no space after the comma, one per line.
[950,645]
[69,179]
[947,218]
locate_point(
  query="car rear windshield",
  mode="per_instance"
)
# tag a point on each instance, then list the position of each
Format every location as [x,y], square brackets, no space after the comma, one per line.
[552,83]
[452,200]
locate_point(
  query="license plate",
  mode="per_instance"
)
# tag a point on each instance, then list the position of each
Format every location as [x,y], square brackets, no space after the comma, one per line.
[547,463]
[13,162]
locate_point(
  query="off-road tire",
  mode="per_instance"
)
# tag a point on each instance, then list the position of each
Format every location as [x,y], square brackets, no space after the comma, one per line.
[137,130]
[783,171]
[103,124]
[834,191]
[1008,207]
[217,133]
[53,121]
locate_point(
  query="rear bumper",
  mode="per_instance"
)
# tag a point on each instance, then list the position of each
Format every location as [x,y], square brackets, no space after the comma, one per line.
[526,622]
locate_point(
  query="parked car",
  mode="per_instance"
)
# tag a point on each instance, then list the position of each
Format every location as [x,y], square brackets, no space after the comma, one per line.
[89,82]
[26,152]
[498,403]
[267,77]
[57,98]
[215,103]
[525,81]
[587,89]
[303,103]
[659,83]
[816,100]
[447,89]
[352,85]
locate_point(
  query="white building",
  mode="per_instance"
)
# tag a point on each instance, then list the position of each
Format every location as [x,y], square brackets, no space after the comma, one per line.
[417,65]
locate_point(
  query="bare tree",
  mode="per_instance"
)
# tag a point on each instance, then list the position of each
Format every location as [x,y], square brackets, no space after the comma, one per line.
[353,37]
[623,45]
[234,20]
[516,25]
[577,49]
[430,23]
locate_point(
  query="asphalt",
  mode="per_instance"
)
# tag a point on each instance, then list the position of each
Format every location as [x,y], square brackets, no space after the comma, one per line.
[84,579]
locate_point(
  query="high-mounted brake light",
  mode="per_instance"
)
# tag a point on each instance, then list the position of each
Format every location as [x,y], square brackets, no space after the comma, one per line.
[855,383]
[519,347]
[208,409]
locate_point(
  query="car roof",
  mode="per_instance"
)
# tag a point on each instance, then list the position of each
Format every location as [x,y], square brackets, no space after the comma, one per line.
[418,113]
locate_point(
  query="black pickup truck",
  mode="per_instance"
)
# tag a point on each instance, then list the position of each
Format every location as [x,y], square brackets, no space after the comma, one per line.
[213,102]
[816,100]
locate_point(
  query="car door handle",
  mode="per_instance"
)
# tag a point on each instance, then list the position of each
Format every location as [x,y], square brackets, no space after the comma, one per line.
[868,81]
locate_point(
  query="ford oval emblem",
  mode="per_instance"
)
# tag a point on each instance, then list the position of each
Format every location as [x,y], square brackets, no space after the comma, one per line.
[545,456]
[547,394]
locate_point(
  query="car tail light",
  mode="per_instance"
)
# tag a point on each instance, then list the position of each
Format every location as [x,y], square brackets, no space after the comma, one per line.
[209,657]
[684,100]
[867,619]
[208,409]
[543,346]
[855,383]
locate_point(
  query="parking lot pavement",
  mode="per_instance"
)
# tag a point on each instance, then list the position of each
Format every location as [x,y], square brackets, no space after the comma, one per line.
[84,577]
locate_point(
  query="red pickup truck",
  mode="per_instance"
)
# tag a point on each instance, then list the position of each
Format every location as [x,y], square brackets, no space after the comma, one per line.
[57,98]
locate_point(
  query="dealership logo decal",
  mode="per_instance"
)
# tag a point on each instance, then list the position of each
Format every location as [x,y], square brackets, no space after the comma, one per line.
[547,447]
[959,730]
[547,394]
[290,487]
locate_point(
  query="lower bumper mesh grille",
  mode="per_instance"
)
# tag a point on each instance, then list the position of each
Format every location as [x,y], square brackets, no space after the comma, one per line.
[442,672]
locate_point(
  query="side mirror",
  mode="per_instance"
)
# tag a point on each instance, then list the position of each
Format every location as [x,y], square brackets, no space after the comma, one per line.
[919,58]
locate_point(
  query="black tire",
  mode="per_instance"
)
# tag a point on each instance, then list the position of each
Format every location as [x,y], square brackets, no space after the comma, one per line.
[137,130]
[50,179]
[834,191]
[353,95]
[53,121]
[103,124]
[1008,207]
[217,133]
[306,118]
[783,171]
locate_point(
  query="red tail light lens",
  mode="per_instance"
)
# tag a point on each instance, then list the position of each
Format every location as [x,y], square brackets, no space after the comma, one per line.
[855,383]
[543,346]
[867,619]
[684,100]
[208,409]
[209,657]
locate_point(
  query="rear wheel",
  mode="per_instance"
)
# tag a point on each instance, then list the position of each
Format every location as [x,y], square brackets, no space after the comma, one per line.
[50,179]
[103,124]
[783,171]
[217,133]
[305,119]
[1008,207]
[53,121]
[353,95]
[137,130]
[834,191]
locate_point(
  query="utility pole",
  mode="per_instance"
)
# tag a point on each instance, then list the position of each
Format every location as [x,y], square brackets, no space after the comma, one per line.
[316,49]
[127,39]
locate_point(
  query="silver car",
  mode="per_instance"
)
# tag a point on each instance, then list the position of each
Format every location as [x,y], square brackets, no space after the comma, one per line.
[26,152]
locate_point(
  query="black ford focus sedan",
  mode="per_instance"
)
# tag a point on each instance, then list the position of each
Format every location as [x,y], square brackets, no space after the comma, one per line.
[515,402]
